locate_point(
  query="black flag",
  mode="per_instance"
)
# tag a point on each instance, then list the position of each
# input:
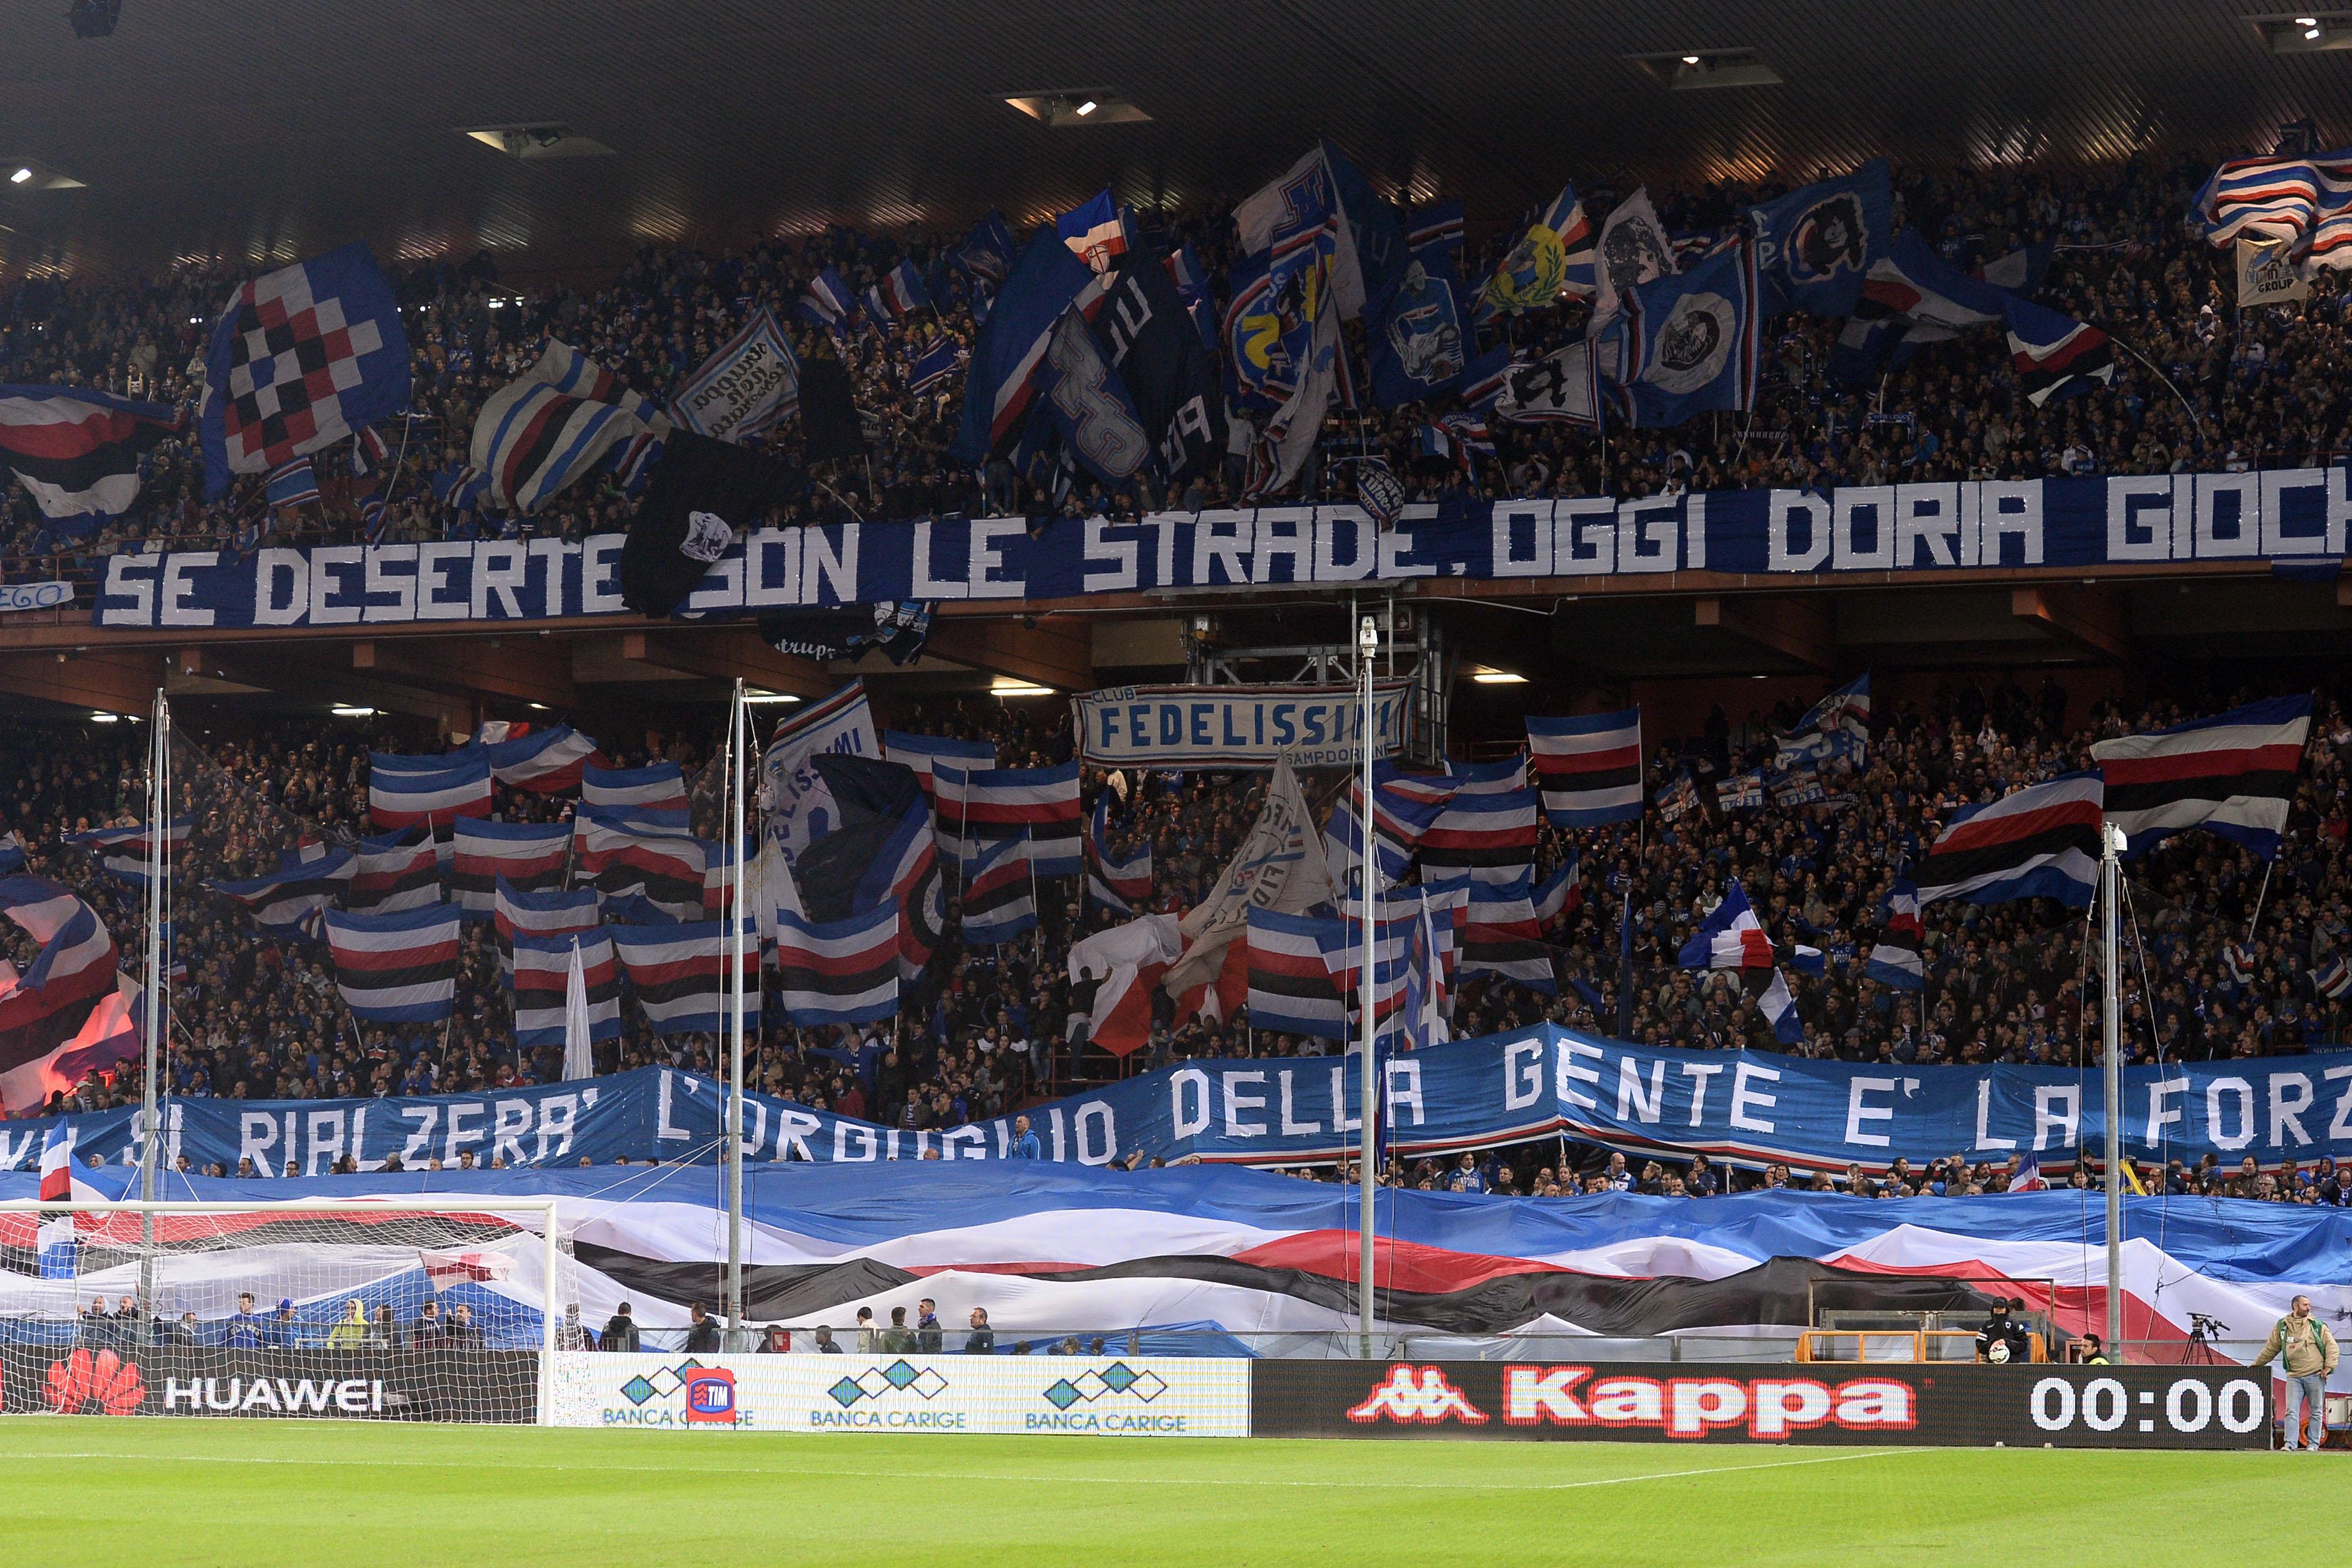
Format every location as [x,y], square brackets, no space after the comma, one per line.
[829,423]
[701,496]
[1151,341]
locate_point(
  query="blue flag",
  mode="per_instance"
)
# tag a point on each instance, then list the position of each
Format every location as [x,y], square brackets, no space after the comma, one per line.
[1692,341]
[1416,341]
[301,358]
[1003,381]
[986,253]
[1815,246]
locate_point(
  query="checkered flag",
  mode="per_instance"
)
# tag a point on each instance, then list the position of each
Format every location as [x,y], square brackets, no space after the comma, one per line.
[301,358]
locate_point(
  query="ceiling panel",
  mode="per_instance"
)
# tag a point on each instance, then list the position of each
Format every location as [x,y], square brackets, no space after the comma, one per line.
[252,131]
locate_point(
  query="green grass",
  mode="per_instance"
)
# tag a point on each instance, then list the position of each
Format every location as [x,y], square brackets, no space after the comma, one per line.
[251,1493]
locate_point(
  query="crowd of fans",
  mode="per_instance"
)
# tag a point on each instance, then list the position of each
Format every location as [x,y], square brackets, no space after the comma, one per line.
[2198,385]
[2223,954]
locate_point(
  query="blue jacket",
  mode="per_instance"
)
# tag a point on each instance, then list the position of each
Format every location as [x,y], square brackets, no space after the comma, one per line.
[1027,1147]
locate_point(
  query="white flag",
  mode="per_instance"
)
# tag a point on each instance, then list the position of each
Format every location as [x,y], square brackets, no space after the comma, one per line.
[1278,866]
[579,1061]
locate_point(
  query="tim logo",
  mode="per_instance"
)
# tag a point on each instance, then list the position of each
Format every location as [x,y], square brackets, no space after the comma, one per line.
[709,1393]
[1418,1396]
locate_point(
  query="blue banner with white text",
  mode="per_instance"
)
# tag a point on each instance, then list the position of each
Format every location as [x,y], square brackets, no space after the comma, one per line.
[1747,1107]
[2297,515]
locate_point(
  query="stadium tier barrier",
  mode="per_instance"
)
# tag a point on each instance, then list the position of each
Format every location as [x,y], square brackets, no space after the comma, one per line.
[2126,521]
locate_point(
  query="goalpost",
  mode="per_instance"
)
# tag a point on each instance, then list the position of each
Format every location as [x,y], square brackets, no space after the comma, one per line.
[415,1308]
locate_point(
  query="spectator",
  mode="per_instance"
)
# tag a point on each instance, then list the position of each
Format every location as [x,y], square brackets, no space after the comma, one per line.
[620,1331]
[869,1339]
[351,1334]
[929,1338]
[981,1340]
[246,1329]
[1025,1144]
[426,1331]
[825,1344]
[702,1335]
[896,1339]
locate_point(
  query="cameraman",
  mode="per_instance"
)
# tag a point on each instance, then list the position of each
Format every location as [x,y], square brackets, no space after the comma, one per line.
[2003,1339]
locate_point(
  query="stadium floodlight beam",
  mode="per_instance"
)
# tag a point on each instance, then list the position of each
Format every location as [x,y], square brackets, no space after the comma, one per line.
[2111,849]
[1368,642]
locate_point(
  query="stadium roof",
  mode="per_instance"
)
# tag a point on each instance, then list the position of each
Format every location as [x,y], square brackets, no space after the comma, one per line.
[259,130]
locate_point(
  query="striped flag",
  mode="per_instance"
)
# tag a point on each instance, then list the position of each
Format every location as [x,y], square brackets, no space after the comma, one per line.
[68,1012]
[397,968]
[1039,805]
[1116,885]
[666,870]
[1403,807]
[1731,937]
[2333,980]
[999,897]
[544,761]
[1291,988]
[838,971]
[540,981]
[2040,842]
[291,483]
[287,904]
[123,851]
[2234,775]
[2277,196]
[923,753]
[395,871]
[78,452]
[678,974]
[660,786]
[1504,936]
[902,290]
[1489,833]
[552,425]
[1589,769]
[2055,357]
[529,855]
[516,914]
[1559,895]
[827,301]
[414,791]
[1894,958]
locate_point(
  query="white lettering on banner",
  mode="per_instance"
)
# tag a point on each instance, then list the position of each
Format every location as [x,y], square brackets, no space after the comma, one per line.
[1744,1099]
[1192,1121]
[2065,1122]
[1985,1140]
[2160,1115]
[2341,1126]
[1522,1074]
[1631,1103]
[2216,1121]
[1572,1074]
[1402,1091]
[326,1133]
[2286,1111]
[1343,1117]
[1857,1111]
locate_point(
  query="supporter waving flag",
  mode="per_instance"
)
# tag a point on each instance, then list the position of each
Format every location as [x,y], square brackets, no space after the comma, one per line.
[1115,884]
[924,753]
[69,1014]
[678,974]
[301,358]
[526,856]
[658,786]
[124,851]
[838,971]
[2232,774]
[1038,806]
[1895,959]
[289,904]
[1816,244]
[397,968]
[2055,357]
[395,871]
[516,913]
[1291,989]
[999,901]
[1589,769]
[552,425]
[544,761]
[1693,341]
[78,452]
[540,983]
[2038,842]
[414,791]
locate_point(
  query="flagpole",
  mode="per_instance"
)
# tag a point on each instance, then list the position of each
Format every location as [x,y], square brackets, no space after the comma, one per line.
[2111,1027]
[1368,642]
[731,809]
[159,831]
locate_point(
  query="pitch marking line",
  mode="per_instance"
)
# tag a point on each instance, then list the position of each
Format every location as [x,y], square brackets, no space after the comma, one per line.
[819,1473]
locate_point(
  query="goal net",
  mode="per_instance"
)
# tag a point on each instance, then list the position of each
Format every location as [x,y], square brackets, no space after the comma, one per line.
[362,1309]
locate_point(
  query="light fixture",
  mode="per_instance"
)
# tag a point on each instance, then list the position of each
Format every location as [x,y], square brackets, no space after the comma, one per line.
[349,710]
[106,718]
[1690,59]
[1681,70]
[536,707]
[1497,678]
[766,697]
[533,143]
[1087,108]
[1068,106]
[20,176]
[1005,686]
[2307,21]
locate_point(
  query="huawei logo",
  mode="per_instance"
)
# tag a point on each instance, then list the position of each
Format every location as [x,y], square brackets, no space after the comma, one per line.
[102,1384]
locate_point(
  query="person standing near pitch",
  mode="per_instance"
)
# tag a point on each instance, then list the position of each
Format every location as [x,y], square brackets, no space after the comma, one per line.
[2306,1354]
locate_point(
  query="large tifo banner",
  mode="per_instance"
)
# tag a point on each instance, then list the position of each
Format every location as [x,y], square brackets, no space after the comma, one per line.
[2286,514]
[2044,1405]
[1235,726]
[1081,1396]
[1749,1107]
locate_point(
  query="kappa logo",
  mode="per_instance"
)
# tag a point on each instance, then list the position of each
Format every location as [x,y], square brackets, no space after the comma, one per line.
[1418,1396]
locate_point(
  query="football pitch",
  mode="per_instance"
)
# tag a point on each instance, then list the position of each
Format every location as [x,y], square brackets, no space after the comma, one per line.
[111,1492]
